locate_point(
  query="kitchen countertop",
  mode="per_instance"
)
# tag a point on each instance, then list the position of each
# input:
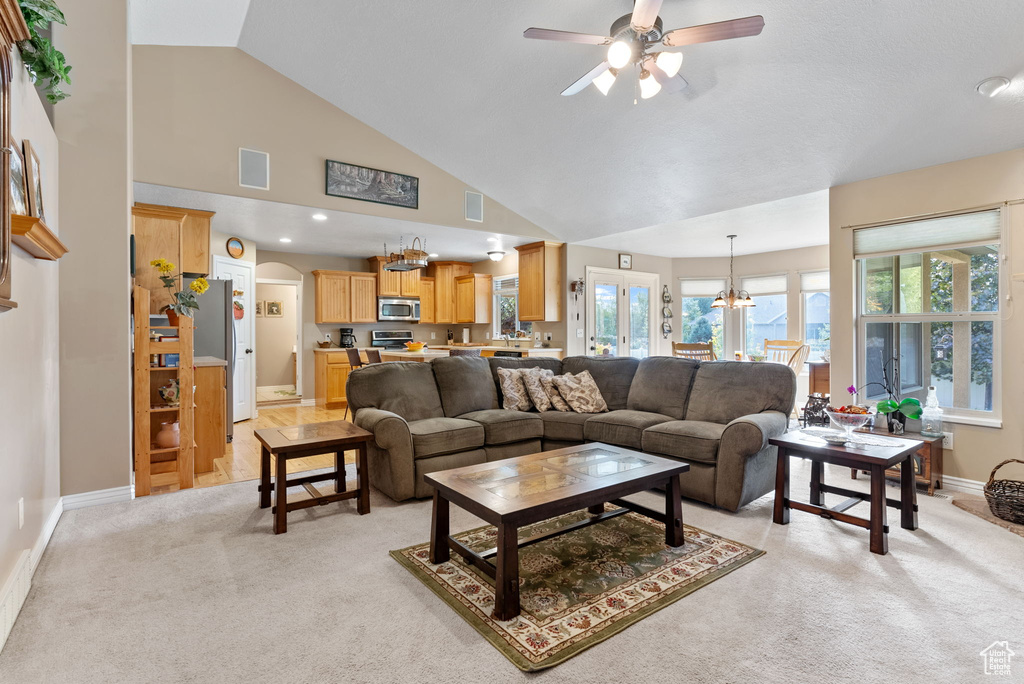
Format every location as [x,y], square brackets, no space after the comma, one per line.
[205,361]
[333,350]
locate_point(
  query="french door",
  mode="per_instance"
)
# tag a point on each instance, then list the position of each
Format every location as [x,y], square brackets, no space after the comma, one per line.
[621,308]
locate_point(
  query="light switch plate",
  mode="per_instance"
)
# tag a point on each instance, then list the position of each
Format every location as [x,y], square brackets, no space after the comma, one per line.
[433,336]
[579,332]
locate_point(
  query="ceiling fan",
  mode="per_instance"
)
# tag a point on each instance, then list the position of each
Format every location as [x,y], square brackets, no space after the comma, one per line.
[633,39]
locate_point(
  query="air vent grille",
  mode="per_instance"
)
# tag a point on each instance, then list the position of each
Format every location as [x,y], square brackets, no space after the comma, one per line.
[253,169]
[474,206]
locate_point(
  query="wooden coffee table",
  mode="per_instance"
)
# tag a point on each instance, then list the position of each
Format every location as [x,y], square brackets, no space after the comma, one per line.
[299,441]
[515,492]
[872,459]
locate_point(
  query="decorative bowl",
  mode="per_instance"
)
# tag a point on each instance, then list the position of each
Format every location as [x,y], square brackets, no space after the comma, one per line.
[834,438]
[848,421]
[414,346]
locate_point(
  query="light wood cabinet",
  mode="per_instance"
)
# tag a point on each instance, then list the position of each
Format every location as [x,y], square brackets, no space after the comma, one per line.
[193,234]
[157,236]
[210,416]
[540,281]
[473,297]
[427,313]
[331,375]
[444,274]
[345,297]
[394,283]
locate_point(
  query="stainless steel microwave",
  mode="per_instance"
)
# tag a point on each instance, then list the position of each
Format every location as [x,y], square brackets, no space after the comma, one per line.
[398,309]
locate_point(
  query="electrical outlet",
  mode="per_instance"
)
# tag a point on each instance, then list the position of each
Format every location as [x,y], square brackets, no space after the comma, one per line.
[547,337]
[487,335]
[947,440]
[21,512]
[328,336]
[579,332]
[433,336]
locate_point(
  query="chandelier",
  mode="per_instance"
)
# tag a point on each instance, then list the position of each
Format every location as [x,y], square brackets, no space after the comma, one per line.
[406,259]
[732,299]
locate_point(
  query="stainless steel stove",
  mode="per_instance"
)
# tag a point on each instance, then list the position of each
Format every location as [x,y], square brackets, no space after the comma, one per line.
[390,339]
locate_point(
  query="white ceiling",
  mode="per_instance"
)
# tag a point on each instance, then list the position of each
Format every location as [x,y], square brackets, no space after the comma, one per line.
[187,22]
[830,92]
[342,234]
[789,223]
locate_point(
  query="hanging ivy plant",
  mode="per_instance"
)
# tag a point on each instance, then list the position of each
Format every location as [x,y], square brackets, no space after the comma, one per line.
[44,62]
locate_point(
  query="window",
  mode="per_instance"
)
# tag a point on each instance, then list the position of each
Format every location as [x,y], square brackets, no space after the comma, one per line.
[929,309]
[506,306]
[816,305]
[699,322]
[767,319]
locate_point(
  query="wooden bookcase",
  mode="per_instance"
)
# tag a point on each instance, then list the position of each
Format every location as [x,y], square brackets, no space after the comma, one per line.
[155,466]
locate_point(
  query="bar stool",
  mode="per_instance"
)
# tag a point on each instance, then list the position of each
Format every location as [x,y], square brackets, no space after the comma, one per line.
[464,352]
[373,356]
[354,361]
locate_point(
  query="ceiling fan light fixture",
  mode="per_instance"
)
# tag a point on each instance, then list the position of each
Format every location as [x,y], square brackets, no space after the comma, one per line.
[619,54]
[649,86]
[605,80]
[669,62]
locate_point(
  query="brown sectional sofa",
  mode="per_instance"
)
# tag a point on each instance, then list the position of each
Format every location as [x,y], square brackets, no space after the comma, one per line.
[446,414]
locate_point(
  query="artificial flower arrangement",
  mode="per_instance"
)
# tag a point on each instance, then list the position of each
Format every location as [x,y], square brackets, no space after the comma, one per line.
[184,300]
[895,409]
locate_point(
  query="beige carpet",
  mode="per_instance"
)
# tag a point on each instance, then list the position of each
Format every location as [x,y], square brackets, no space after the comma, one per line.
[978,505]
[194,587]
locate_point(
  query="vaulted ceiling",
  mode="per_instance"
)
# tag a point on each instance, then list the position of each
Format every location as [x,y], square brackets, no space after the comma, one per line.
[829,93]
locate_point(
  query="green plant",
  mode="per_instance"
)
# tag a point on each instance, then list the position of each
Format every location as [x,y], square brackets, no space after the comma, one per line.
[45,63]
[185,303]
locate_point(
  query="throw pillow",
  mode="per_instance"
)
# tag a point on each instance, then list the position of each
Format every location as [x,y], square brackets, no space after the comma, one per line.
[581,392]
[532,380]
[513,391]
[557,402]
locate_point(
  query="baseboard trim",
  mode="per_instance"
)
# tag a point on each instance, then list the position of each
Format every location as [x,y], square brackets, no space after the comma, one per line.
[14,593]
[46,533]
[276,388]
[98,498]
[307,402]
[960,484]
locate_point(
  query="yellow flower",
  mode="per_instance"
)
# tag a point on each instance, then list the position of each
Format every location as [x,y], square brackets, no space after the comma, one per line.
[165,267]
[199,285]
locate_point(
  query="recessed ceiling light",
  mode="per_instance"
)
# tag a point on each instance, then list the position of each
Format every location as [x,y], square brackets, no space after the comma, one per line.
[319,217]
[286,239]
[492,239]
[432,256]
[991,87]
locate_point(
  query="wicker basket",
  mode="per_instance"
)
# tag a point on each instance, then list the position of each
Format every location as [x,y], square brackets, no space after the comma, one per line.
[1005,497]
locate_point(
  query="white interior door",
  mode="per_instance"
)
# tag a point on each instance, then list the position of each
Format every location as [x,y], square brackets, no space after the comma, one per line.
[243,277]
[621,308]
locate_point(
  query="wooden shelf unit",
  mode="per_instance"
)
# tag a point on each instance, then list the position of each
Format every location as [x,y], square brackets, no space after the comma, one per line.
[149,460]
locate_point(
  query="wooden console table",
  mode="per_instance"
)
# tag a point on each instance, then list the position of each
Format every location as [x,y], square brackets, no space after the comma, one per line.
[927,460]
[820,377]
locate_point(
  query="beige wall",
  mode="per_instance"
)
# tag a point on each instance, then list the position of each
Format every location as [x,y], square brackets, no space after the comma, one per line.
[219,245]
[948,187]
[29,356]
[275,337]
[195,106]
[94,129]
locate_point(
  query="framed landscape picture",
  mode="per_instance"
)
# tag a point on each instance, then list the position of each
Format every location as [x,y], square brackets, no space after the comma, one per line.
[33,175]
[19,196]
[372,185]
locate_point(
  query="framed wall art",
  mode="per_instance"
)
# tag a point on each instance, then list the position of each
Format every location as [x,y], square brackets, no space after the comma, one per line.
[19,193]
[33,177]
[371,185]
[274,310]
[259,308]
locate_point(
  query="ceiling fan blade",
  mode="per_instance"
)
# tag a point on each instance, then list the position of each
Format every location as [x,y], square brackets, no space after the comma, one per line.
[722,30]
[669,84]
[645,12]
[585,80]
[566,36]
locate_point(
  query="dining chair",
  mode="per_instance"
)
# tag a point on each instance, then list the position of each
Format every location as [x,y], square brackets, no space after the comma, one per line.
[781,351]
[464,352]
[701,351]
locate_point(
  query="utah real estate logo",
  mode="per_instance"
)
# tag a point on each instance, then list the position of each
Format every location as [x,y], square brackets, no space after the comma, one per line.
[997,658]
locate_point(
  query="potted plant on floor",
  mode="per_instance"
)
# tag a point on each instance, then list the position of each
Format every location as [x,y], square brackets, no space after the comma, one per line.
[184,300]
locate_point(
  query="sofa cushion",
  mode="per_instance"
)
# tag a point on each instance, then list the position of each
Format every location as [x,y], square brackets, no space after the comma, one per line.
[502,426]
[406,388]
[496,362]
[580,392]
[532,380]
[725,390]
[464,383]
[690,440]
[514,396]
[613,376]
[564,426]
[622,428]
[436,436]
[662,385]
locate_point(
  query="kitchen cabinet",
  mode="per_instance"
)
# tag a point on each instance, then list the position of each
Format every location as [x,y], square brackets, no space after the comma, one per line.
[331,374]
[444,274]
[395,283]
[540,281]
[210,415]
[474,294]
[345,297]
[194,236]
[427,314]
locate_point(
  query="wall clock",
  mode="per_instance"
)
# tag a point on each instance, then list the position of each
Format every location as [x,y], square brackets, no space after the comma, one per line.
[235,248]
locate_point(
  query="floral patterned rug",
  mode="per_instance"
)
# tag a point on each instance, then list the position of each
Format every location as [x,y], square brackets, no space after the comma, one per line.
[580,588]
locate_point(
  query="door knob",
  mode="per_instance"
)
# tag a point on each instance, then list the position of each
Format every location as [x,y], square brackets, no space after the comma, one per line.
[248,351]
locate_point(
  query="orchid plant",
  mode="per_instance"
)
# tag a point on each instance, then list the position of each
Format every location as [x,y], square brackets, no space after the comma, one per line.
[908,406]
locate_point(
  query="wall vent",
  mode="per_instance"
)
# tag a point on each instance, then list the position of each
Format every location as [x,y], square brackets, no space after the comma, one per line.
[474,206]
[253,169]
[15,591]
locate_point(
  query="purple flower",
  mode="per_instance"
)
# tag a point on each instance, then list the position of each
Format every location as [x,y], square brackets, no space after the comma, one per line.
[851,389]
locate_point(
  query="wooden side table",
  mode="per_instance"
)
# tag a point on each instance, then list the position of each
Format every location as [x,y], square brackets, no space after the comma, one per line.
[819,377]
[927,461]
[300,441]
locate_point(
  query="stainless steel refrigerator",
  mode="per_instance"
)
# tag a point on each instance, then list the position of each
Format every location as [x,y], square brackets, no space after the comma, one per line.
[215,335]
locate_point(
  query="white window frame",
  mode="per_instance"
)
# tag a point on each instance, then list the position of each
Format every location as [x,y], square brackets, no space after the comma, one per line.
[991,418]
[496,295]
[743,315]
[725,317]
[803,301]
[625,279]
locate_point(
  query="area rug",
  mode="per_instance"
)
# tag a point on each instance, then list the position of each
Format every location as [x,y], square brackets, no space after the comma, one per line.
[979,507]
[580,588]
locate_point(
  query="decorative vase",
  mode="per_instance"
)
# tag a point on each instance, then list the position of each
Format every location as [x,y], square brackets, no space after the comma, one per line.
[897,422]
[170,392]
[169,435]
[172,317]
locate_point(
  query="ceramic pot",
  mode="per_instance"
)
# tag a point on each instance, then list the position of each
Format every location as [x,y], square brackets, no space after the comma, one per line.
[169,435]
[170,392]
[172,317]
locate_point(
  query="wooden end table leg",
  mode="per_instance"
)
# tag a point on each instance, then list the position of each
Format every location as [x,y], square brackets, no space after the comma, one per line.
[506,579]
[281,499]
[264,477]
[596,509]
[853,473]
[673,513]
[817,474]
[363,480]
[908,495]
[439,551]
[781,515]
[879,539]
[339,470]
